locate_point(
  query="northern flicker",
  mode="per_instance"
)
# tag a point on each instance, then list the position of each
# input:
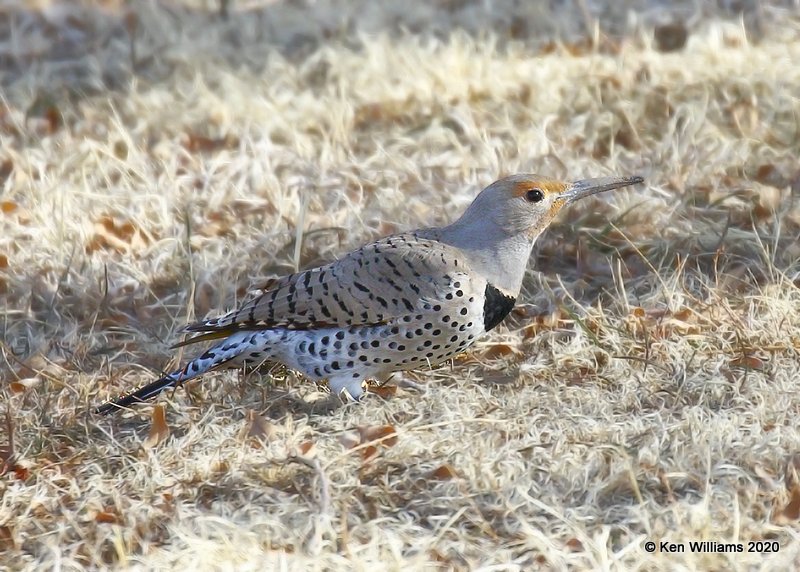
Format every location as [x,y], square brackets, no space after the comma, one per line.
[406,301]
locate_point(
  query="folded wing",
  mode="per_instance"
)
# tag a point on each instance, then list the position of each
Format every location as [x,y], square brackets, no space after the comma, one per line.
[394,277]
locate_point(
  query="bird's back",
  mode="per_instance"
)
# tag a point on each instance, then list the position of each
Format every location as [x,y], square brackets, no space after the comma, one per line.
[382,282]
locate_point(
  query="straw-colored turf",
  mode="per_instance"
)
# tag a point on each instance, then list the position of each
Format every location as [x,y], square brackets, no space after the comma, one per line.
[645,389]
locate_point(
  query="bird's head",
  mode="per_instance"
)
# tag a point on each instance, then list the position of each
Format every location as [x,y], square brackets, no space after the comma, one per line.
[527,204]
[498,230]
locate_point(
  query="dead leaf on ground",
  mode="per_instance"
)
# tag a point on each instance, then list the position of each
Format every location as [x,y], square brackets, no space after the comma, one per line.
[791,512]
[574,545]
[259,429]
[503,377]
[196,143]
[6,538]
[307,449]
[770,174]
[385,434]
[106,517]
[767,202]
[117,234]
[6,168]
[747,362]
[21,385]
[384,391]
[369,452]
[791,475]
[369,439]
[348,439]
[159,430]
[444,473]
[496,351]
[671,37]
[540,322]
[791,479]
[44,114]
[21,473]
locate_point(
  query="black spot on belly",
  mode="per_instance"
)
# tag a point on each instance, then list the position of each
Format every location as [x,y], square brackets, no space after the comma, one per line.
[496,306]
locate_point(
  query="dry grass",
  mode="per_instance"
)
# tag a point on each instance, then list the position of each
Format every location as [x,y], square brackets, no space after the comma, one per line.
[647,388]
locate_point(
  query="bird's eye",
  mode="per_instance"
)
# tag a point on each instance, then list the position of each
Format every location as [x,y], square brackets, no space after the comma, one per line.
[534,196]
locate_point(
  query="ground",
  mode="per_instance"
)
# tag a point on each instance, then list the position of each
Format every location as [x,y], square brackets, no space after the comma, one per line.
[160,160]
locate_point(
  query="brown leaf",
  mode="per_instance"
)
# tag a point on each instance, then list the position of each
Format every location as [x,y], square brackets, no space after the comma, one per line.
[444,473]
[500,350]
[384,391]
[159,430]
[747,362]
[44,109]
[791,479]
[548,47]
[22,473]
[22,385]
[503,377]
[118,234]
[768,202]
[6,167]
[30,367]
[196,143]
[385,434]
[543,322]
[307,449]
[16,387]
[574,544]
[765,172]
[220,467]
[671,37]
[791,475]
[8,207]
[106,517]
[6,538]
[349,440]
[578,48]
[54,118]
[120,149]
[369,452]
[791,512]
[259,428]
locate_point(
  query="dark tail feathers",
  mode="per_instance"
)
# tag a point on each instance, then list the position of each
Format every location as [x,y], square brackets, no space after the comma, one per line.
[142,394]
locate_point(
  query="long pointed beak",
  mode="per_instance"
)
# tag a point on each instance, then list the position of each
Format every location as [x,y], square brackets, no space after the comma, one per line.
[586,187]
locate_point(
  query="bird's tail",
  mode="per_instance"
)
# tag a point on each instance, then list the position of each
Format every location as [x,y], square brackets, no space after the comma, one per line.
[215,357]
[143,393]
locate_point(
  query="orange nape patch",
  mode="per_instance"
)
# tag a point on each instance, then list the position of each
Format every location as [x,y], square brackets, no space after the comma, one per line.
[547,186]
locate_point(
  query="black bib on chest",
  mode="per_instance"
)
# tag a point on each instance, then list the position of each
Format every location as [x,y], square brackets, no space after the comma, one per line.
[496,306]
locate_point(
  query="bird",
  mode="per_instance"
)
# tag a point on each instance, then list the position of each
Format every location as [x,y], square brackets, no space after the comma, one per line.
[405,301]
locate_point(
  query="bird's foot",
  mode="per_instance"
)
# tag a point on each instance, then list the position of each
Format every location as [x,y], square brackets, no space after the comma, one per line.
[348,391]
